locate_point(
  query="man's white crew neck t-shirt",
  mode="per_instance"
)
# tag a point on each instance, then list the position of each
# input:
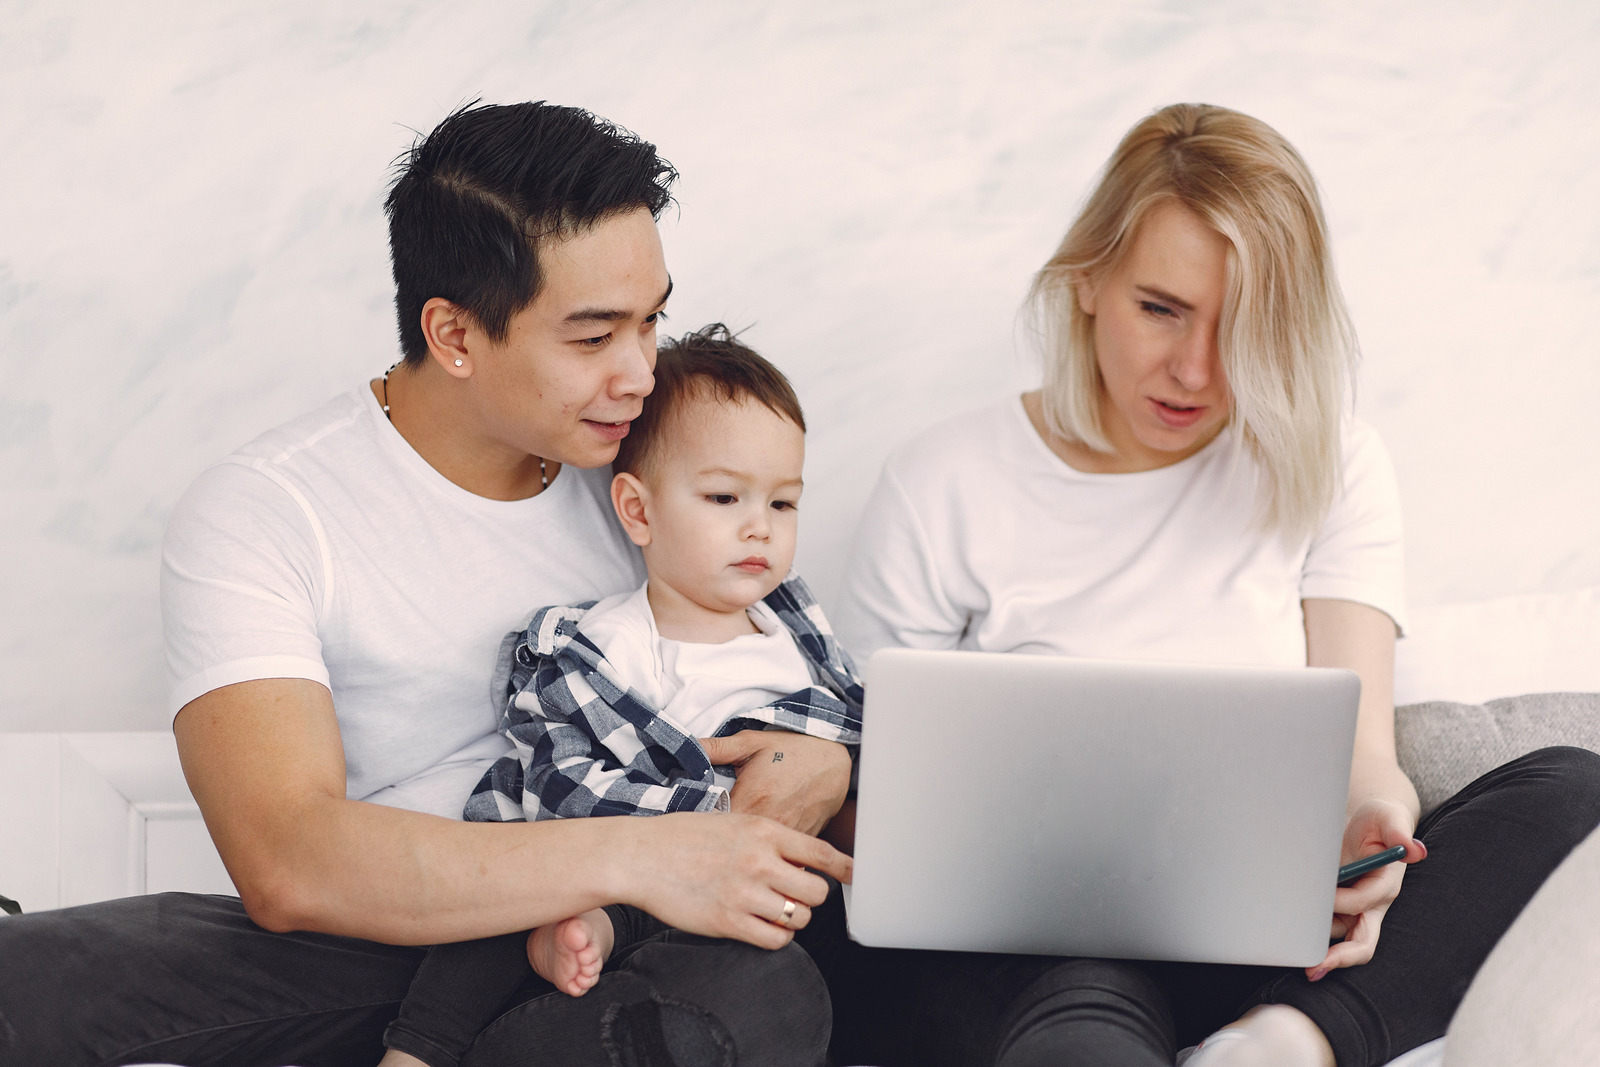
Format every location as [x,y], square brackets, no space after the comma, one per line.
[328,549]
[979,537]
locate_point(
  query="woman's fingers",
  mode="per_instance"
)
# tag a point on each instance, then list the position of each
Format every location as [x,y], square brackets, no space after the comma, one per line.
[1372,889]
[1357,947]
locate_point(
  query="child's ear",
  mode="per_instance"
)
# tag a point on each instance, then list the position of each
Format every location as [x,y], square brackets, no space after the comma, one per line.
[628,498]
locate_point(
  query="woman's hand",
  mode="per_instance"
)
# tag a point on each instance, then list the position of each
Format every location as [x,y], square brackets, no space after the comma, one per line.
[796,779]
[1360,908]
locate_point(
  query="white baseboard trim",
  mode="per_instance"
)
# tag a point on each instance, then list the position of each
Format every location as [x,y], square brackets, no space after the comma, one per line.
[93,816]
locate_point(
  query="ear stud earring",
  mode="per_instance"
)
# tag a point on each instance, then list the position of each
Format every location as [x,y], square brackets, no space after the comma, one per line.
[458,363]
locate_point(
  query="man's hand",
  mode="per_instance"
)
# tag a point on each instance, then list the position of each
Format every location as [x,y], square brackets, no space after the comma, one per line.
[1359,909]
[795,779]
[726,875]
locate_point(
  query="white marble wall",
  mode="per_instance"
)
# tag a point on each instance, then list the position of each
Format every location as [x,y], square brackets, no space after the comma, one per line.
[191,247]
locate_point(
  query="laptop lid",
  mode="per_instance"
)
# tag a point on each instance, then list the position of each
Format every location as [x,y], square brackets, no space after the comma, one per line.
[1043,804]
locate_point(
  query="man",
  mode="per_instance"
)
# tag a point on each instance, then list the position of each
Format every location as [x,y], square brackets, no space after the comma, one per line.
[334,594]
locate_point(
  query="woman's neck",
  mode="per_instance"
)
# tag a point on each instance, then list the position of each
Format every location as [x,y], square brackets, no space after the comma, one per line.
[1126,455]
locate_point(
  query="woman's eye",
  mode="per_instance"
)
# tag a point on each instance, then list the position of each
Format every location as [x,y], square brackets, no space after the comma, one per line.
[722,498]
[1154,308]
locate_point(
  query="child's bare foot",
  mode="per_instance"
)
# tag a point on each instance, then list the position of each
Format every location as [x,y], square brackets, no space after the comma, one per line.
[570,953]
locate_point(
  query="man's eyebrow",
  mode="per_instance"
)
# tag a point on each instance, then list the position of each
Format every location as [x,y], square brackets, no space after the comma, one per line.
[1165,297]
[611,314]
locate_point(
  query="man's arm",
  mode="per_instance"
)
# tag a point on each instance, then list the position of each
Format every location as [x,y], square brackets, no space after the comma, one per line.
[266,765]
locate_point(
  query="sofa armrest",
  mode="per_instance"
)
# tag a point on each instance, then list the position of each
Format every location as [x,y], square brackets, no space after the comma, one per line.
[1443,746]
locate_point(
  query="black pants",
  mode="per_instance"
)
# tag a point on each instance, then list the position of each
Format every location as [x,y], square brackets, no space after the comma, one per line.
[461,987]
[1490,847]
[190,979]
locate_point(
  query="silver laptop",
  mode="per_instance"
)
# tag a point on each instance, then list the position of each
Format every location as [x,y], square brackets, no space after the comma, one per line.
[1041,804]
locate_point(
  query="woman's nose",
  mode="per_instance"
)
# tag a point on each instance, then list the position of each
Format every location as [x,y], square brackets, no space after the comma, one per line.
[1194,364]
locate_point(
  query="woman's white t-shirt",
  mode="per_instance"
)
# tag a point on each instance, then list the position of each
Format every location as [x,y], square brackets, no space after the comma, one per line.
[328,549]
[979,537]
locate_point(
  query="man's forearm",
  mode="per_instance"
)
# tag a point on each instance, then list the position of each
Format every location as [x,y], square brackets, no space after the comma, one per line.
[265,762]
[401,877]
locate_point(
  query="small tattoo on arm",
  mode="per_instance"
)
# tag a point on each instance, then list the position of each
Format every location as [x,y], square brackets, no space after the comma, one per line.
[777,757]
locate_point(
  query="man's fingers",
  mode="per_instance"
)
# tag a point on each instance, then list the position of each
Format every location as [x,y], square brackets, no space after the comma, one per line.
[734,749]
[813,852]
[797,918]
[801,886]
[756,931]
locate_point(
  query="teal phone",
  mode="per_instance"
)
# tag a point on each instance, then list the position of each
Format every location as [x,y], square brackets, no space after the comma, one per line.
[1351,871]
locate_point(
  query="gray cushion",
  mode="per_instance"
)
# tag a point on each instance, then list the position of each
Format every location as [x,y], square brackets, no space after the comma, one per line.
[1444,746]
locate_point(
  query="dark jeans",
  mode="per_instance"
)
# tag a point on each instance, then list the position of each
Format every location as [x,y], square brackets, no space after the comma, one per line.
[1490,847]
[190,979]
[461,987]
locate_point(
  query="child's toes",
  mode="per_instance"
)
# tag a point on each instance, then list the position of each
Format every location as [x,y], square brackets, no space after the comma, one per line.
[575,935]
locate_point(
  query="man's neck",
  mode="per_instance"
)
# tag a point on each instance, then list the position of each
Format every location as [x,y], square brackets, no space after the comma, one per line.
[429,409]
[680,619]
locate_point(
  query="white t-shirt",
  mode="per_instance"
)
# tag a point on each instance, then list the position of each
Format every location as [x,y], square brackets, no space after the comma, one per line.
[328,549]
[979,537]
[697,687]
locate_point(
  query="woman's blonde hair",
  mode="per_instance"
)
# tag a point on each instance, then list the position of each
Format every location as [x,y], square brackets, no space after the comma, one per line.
[1285,340]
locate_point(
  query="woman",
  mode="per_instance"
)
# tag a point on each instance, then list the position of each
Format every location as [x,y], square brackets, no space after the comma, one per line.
[1189,485]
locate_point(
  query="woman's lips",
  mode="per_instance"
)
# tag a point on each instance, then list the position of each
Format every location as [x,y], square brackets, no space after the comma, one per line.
[1178,417]
[752,564]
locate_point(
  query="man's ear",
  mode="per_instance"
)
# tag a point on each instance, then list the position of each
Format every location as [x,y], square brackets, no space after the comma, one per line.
[630,497]
[1086,294]
[444,327]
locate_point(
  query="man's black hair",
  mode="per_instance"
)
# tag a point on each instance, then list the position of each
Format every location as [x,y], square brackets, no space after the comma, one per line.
[474,199]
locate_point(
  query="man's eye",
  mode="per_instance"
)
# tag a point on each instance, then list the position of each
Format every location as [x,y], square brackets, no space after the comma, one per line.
[1156,309]
[651,320]
[595,342]
[722,498]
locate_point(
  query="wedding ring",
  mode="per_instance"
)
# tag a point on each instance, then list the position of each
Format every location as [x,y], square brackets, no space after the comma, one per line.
[788,913]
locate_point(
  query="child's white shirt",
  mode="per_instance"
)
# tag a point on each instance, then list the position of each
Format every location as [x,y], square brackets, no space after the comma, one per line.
[696,687]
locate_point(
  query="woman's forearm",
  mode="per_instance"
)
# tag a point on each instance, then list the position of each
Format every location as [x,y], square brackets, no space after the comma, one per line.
[1376,776]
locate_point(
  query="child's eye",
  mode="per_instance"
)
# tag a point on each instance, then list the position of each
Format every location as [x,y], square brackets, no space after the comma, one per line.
[784,505]
[722,498]
[1154,308]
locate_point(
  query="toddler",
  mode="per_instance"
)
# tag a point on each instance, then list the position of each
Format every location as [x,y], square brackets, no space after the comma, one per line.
[604,702]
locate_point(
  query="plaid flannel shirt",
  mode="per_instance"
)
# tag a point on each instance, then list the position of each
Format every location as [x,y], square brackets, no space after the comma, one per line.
[587,744]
